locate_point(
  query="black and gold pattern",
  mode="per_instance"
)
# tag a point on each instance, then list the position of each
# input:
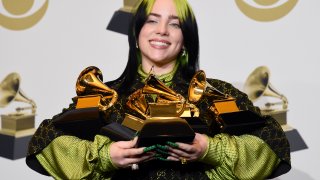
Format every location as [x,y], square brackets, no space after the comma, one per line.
[271,133]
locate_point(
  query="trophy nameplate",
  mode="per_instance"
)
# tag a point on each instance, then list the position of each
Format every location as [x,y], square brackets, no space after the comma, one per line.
[132,122]
[163,109]
[226,106]
[88,101]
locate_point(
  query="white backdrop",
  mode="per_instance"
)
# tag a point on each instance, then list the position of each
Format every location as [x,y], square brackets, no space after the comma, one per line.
[72,35]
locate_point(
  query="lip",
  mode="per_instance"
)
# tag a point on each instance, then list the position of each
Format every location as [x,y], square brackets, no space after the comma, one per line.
[165,44]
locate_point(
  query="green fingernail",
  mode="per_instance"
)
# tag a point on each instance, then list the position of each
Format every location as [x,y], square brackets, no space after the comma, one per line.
[162,147]
[147,149]
[162,159]
[162,151]
[172,144]
[157,155]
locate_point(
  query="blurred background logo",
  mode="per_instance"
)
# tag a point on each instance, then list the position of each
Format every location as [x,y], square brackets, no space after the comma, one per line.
[17,15]
[265,10]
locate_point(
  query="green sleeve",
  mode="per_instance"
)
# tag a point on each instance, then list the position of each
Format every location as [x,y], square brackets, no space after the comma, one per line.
[68,157]
[239,157]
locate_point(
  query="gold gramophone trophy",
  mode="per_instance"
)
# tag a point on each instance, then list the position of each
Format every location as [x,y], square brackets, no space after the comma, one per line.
[92,92]
[16,128]
[221,103]
[175,118]
[92,105]
[257,86]
[160,111]
[226,116]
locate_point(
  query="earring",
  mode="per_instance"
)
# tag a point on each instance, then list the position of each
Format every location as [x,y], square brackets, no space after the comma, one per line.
[184,53]
[137,46]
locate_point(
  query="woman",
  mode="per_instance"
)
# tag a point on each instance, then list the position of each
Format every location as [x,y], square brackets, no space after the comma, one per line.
[163,36]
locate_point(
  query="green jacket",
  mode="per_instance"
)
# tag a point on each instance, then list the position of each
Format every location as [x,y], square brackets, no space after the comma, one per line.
[271,133]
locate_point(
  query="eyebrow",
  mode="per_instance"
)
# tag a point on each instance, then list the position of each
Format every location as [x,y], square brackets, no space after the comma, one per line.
[158,15]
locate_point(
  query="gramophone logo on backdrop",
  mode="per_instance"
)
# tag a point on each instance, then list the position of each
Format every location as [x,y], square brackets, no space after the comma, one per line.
[18,14]
[270,10]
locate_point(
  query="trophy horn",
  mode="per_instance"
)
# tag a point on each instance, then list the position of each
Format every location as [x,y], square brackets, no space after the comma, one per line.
[10,91]
[199,87]
[165,94]
[89,83]
[222,103]
[258,85]
[137,102]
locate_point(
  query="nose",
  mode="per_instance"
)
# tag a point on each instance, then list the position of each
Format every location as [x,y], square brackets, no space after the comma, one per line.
[162,29]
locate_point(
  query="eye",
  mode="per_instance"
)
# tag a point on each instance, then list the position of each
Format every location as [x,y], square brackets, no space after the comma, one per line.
[175,25]
[150,21]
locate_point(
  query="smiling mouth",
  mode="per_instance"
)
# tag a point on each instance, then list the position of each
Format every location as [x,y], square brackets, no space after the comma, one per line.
[159,44]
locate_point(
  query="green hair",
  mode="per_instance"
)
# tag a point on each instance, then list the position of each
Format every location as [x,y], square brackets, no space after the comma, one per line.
[182,8]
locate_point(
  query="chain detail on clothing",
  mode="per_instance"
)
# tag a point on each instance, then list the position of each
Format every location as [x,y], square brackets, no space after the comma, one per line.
[165,78]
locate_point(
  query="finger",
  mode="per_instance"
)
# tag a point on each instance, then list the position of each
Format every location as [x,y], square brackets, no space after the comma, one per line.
[133,152]
[182,146]
[127,144]
[162,151]
[130,161]
[162,147]
[172,144]
[162,159]
[174,155]
[180,153]
[186,147]
[150,148]
[171,158]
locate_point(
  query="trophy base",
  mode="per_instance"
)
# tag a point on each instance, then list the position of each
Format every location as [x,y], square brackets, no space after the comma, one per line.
[159,130]
[117,132]
[279,115]
[120,22]
[295,140]
[14,145]
[17,122]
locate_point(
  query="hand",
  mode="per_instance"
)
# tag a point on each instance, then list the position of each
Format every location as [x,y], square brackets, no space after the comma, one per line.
[123,153]
[189,152]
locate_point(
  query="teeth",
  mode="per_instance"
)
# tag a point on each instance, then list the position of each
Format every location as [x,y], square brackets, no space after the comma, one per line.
[157,43]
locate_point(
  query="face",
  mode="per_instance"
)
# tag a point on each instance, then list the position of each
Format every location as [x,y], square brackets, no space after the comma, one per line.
[160,39]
